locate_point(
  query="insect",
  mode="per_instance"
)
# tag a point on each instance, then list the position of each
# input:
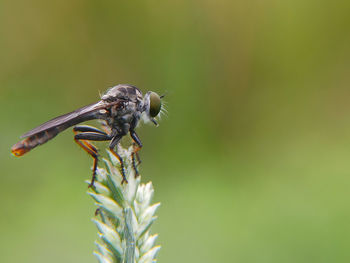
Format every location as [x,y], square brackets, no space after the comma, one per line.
[120,110]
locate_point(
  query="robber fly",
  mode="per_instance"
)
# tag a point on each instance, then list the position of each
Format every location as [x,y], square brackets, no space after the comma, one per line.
[120,109]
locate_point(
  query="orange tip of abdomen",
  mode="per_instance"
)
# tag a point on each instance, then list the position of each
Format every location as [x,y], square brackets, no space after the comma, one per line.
[19,149]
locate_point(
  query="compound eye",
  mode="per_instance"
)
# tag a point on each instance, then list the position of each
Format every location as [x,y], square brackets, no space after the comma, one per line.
[154,104]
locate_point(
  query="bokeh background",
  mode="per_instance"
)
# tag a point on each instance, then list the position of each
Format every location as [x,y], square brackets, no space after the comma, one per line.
[252,162]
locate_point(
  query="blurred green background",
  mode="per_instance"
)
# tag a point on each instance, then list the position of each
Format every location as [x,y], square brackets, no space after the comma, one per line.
[252,162]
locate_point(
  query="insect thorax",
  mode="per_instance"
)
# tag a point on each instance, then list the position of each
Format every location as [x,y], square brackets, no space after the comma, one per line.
[126,114]
[124,92]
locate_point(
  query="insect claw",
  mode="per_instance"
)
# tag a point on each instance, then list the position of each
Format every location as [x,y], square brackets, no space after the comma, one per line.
[98,211]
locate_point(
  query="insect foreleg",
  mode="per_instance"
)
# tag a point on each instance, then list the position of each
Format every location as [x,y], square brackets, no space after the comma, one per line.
[137,146]
[136,139]
[138,159]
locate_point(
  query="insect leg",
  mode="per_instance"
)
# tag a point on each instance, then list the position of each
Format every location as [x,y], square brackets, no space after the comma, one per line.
[86,128]
[81,140]
[138,159]
[134,165]
[112,145]
[105,126]
[137,146]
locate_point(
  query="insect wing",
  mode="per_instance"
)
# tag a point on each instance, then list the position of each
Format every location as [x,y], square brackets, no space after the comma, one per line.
[88,112]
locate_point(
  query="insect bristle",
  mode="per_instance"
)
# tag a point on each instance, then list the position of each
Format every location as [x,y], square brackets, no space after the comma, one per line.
[163,110]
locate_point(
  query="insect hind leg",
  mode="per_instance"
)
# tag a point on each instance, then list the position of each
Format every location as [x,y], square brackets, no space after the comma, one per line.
[87,128]
[82,140]
[92,151]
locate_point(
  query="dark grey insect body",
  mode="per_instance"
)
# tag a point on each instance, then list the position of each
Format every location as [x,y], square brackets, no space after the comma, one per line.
[121,108]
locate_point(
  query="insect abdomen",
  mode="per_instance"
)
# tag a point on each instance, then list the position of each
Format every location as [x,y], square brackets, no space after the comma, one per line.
[31,142]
